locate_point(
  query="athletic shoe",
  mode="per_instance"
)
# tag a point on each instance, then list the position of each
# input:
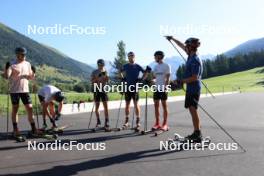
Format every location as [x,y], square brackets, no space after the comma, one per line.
[126,124]
[195,137]
[44,127]
[165,127]
[156,127]
[98,124]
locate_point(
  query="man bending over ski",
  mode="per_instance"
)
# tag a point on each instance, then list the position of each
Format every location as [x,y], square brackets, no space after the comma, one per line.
[193,74]
[47,94]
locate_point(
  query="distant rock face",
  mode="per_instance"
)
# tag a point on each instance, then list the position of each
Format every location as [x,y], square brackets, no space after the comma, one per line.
[244,48]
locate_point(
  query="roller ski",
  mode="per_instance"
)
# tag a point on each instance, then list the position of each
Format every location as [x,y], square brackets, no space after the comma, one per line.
[154,129]
[193,139]
[57,130]
[160,131]
[42,135]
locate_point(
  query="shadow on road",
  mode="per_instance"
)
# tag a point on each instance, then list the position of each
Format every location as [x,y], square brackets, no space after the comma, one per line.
[73,169]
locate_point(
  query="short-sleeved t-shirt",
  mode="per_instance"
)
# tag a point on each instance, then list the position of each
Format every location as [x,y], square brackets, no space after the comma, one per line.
[99,73]
[18,81]
[194,67]
[160,71]
[132,72]
[47,92]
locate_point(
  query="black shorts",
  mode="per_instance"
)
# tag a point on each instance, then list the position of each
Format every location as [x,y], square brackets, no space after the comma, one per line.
[25,97]
[41,98]
[131,95]
[160,96]
[100,96]
[192,100]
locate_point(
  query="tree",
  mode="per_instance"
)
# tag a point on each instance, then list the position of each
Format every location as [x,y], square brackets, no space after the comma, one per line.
[120,59]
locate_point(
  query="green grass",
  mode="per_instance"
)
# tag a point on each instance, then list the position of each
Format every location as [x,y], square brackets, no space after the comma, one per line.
[248,81]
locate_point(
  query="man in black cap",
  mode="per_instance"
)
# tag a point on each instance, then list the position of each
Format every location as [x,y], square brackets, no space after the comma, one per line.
[192,77]
[19,72]
[100,78]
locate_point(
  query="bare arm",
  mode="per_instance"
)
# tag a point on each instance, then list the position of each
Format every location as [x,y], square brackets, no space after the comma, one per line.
[190,79]
[179,43]
[167,79]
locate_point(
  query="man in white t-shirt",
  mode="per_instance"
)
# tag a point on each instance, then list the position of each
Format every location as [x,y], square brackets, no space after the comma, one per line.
[161,73]
[19,72]
[47,94]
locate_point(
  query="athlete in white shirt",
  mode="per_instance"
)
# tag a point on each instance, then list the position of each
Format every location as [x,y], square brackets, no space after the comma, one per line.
[47,94]
[162,76]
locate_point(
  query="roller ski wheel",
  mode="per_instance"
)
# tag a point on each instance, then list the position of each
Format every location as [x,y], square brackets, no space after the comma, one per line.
[126,126]
[107,129]
[19,137]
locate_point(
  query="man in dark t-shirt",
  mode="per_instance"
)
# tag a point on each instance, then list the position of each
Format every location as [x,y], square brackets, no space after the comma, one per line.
[131,72]
[192,77]
[100,78]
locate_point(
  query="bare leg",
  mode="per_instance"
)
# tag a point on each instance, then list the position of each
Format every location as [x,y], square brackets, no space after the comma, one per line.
[15,117]
[29,110]
[127,108]
[195,118]
[165,112]
[97,105]
[157,114]
[105,104]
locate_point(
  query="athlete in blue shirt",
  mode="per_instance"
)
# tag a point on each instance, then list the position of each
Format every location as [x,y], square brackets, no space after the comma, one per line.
[192,78]
[131,72]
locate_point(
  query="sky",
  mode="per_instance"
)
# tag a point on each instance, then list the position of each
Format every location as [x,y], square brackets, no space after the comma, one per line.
[141,24]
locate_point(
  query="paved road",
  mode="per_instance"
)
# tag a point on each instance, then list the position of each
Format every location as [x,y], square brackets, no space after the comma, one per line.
[129,154]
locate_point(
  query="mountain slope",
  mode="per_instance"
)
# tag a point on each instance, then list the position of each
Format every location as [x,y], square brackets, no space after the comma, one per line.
[246,47]
[38,54]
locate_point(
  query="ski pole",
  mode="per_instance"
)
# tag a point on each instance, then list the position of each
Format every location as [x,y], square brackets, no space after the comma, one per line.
[91,115]
[36,108]
[133,117]
[118,116]
[185,62]
[7,111]
[218,124]
[146,113]
[34,89]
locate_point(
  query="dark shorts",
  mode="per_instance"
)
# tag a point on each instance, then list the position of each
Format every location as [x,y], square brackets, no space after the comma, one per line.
[131,95]
[160,96]
[25,97]
[192,100]
[100,96]
[41,98]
